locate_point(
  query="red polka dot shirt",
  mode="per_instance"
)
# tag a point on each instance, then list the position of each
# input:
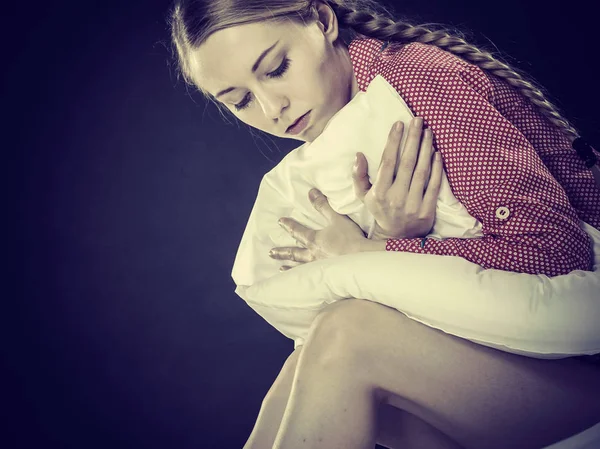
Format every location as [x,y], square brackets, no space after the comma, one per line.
[510,167]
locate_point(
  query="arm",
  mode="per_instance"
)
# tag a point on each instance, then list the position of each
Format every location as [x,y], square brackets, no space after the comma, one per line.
[529,225]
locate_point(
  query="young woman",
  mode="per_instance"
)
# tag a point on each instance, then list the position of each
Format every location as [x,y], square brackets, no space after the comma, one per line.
[367,373]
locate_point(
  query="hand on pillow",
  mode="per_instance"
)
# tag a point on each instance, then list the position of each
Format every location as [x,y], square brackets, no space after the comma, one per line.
[400,208]
[341,237]
[396,200]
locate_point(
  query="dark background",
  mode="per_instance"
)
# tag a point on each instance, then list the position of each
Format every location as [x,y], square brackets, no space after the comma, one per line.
[121,325]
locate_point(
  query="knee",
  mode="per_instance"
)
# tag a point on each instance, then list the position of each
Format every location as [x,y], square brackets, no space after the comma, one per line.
[340,329]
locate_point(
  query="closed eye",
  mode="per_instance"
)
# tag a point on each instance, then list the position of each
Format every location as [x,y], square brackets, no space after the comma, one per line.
[276,74]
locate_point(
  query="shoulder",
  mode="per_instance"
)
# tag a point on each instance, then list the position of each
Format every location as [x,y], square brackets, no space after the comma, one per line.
[433,67]
[416,53]
[411,63]
[425,57]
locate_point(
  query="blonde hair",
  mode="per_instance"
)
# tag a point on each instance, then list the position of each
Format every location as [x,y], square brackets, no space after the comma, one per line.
[193,21]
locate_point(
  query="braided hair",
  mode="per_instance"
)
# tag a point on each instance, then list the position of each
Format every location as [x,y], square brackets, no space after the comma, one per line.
[193,21]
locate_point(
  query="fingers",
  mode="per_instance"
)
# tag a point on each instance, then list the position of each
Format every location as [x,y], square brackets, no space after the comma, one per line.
[300,233]
[412,147]
[360,177]
[294,254]
[389,161]
[422,172]
[399,167]
[321,204]
[433,188]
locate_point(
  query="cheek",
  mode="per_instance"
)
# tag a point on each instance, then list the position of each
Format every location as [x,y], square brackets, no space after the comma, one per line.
[334,76]
[332,87]
[326,78]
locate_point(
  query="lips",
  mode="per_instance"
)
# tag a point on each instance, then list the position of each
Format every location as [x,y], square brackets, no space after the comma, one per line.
[295,123]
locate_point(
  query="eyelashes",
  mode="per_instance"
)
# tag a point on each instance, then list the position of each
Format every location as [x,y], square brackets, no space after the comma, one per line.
[276,74]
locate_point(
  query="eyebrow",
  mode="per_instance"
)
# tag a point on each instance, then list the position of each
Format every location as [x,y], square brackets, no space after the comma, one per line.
[254,68]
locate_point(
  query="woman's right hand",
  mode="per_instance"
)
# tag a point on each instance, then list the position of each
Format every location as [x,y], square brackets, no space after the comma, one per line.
[403,197]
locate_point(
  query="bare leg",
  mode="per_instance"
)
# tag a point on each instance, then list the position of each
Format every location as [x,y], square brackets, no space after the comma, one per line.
[273,406]
[480,397]
[396,429]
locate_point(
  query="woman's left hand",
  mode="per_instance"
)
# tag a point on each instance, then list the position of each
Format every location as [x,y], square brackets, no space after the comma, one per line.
[342,236]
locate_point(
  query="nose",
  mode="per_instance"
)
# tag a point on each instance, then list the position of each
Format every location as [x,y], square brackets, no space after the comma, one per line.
[272,105]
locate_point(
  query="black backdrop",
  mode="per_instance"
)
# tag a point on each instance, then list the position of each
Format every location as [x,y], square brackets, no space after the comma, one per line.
[123,328]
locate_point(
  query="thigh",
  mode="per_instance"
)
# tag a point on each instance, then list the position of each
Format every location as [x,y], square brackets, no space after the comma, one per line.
[398,429]
[479,396]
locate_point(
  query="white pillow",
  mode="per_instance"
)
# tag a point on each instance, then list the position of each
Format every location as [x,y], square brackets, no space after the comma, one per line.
[521,313]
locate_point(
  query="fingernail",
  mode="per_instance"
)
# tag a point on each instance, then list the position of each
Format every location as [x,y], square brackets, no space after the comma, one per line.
[418,121]
[398,126]
[271,253]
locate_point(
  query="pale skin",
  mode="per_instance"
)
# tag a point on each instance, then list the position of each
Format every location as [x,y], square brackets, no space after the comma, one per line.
[404,385]
[361,356]
[402,199]
[318,76]
[395,427]
[459,394]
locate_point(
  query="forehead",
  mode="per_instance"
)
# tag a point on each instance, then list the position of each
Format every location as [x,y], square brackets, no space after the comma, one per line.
[228,55]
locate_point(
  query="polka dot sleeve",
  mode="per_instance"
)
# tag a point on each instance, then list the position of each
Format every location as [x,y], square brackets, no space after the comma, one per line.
[529,226]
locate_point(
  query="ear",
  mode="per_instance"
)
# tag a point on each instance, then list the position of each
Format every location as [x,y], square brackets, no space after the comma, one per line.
[327,21]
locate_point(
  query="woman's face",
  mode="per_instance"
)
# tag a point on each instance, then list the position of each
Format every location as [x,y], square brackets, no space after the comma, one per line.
[303,72]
